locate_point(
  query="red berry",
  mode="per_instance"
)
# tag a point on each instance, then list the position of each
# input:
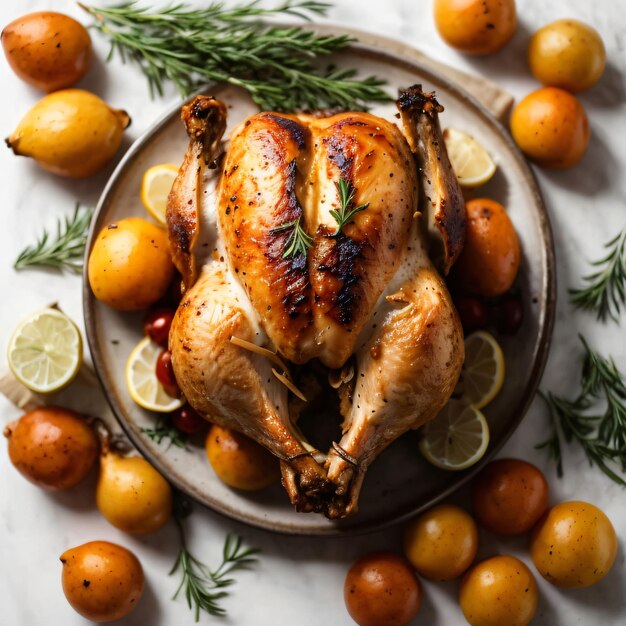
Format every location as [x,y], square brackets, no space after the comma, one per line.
[473,312]
[511,315]
[165,374]
[188,421]
[157,325]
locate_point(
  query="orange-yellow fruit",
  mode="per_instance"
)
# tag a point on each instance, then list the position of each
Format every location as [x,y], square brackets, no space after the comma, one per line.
[500,591]
[240,462]
[47,50]
[491,256]
[551,128]
[441,543]
[382,588]
[102,581]
[567,54]
[574,545]
[130,266]
[476,26]
[52,447]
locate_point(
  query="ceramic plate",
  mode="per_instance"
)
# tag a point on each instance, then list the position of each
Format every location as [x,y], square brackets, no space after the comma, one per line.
[399,483]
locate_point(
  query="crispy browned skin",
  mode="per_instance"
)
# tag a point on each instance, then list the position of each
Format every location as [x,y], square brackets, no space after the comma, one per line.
[442,199]
[369,291]
[224,383]
[283,168]
[205,121]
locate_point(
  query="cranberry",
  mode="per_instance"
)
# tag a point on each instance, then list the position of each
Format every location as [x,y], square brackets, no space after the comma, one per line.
[188,421]
[165,374]
[474,313]
[511,315]
[157,325]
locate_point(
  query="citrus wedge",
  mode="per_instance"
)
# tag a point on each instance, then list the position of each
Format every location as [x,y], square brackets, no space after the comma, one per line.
[155,187]
[471,162]
[483,370]
[457,438]
[143,385]
[45,351]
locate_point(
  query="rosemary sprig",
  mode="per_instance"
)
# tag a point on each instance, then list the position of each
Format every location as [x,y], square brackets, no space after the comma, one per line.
[605,293]
[602,436]
[298,242]
[162,431]
[66,250]
[203,587]
[346,212]
[191,47]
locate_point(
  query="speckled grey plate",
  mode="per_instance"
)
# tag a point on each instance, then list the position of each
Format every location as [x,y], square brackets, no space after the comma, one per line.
[400,483]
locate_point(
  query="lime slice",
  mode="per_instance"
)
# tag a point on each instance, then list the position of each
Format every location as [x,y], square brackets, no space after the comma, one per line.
[45,351]
[470,161]
[483,370]
[143,385]
[155,188]
[457,438]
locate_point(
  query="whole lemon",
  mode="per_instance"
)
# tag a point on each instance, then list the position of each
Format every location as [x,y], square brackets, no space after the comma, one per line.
[71,133]
[574,545]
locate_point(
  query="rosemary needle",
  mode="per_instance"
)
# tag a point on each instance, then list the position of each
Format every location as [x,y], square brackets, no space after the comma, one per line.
[65,250]
[605,292]
[203,587]
[346,211]
[602,435]
[277,65]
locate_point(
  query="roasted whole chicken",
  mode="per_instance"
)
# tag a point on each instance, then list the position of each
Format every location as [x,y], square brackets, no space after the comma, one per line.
[308,240]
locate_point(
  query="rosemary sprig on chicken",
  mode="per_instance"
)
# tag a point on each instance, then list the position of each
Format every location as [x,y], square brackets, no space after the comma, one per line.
[605,290]
[276,64]
[347,211]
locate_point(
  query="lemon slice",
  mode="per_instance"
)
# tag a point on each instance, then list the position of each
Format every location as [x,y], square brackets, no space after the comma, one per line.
[471,162]
[457,438]
[482,375]
[45,351]
[155,187]
[143,385]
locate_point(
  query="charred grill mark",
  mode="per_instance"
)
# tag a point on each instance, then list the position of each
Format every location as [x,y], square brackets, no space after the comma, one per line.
[341,259]
[341,150]
[182,232]
[417,101]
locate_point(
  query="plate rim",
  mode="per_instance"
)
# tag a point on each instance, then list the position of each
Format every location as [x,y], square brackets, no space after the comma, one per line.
[365,48]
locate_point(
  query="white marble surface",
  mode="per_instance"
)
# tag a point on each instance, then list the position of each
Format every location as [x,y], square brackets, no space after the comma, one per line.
[299,581]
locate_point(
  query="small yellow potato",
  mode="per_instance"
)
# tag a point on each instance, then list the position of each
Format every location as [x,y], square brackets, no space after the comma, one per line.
[568,54]
[551,128]
[52,447]
[47,50]
[130,267]
[240,462]
[500,591]
[132,495]
[574,545]
[102,581]
[441,543]
[72,133]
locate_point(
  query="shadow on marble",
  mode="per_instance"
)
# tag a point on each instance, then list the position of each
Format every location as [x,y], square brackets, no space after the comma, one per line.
[509,62]
[427,613]
[148,611]
[97,79]
[610,91]
[80,498]
[596,171]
